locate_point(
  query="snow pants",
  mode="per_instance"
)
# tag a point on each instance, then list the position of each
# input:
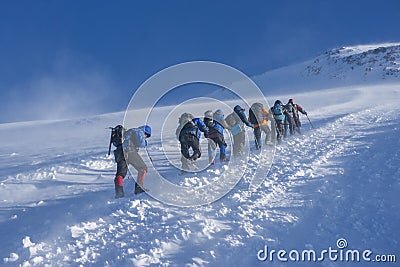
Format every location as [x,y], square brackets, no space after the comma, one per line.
[289,123]
[280,129]
[257,135]
[238,143]
[189,141]
[133,158]
[214,141]
[297,124]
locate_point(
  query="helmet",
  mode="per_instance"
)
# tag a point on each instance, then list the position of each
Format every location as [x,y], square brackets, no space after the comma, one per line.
[147,130]
[291,100]
[219,114]
[278,102]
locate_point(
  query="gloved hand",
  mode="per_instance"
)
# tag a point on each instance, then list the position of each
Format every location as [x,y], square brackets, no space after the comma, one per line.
[206,135]
[305,113]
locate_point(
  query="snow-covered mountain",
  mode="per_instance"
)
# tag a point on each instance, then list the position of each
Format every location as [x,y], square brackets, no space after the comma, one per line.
[337,182]
[345,66]
[368,62]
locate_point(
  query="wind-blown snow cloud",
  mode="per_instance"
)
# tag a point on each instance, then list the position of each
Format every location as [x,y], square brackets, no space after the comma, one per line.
[71,88]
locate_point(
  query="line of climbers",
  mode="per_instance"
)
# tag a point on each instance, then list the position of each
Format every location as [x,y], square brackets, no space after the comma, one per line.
[213,125]
[285,118]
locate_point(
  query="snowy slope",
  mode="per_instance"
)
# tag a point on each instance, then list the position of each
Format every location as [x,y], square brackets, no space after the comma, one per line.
[340,180]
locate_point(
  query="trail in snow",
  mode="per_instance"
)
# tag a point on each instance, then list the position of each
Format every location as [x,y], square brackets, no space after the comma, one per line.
[320,188]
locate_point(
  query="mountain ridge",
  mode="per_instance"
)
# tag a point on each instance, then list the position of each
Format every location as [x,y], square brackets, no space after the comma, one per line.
[344,66]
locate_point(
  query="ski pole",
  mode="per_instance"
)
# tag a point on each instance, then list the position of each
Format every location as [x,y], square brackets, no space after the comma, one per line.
[312,126]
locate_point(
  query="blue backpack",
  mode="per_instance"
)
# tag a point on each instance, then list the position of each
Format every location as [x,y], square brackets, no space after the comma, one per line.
[236,129]
[278,109]
[134,138]
[278,112]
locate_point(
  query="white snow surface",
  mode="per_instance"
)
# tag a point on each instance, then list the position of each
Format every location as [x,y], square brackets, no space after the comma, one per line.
[339,180]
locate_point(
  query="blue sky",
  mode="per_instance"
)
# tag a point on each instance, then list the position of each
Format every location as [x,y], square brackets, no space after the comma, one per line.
[63,59]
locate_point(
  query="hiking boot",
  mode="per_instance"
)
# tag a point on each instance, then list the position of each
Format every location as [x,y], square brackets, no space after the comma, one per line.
[222,158]
[194,164]
[119,191]
[140,189]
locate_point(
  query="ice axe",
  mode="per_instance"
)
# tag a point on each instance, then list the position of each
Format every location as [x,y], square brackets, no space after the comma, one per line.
[148,154]
[312,126]
[109,146]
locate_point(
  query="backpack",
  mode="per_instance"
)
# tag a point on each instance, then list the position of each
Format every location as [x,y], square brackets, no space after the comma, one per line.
[278,109]
[134,138]
[236,129]
[235,123]
[231,119]
[186,120]
[290,109]
[185,123]
[116,135]
[256,113]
